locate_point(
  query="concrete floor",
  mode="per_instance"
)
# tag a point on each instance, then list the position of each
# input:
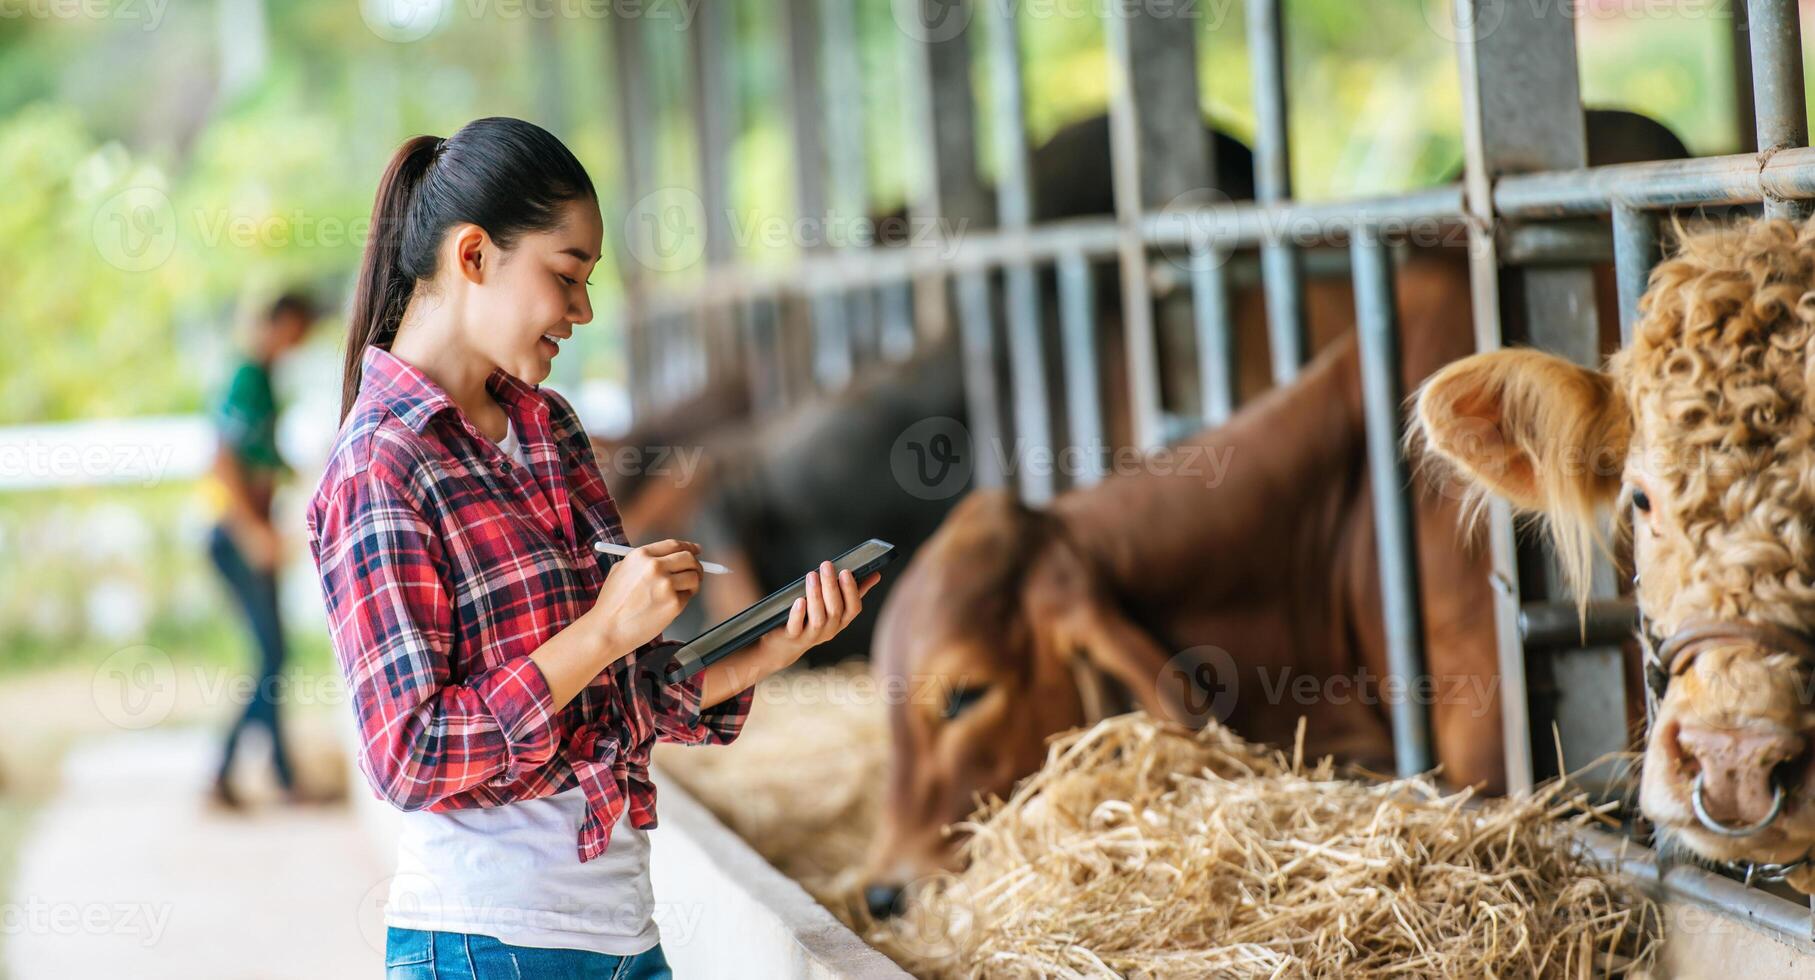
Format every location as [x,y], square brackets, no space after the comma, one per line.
[127,872]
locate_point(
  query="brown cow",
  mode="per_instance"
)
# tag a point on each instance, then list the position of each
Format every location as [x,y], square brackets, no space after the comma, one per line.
[1245,558]
[1705,425]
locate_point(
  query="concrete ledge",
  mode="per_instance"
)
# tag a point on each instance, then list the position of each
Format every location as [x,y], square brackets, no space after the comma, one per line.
[744,917]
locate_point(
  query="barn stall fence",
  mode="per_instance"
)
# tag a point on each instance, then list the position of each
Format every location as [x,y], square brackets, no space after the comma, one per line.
[1535,216]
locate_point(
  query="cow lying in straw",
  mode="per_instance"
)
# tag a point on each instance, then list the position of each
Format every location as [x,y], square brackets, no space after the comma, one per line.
[1701,435]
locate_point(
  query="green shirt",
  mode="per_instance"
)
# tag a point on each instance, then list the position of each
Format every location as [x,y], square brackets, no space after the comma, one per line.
[246,416]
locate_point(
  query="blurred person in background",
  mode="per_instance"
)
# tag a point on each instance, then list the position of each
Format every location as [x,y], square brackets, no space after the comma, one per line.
[244,544]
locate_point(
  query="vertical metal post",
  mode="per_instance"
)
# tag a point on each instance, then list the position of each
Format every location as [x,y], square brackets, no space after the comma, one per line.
[1280,267]
[977,333]
[1522,111]
[1159,154]
[637,164]
[1636,250]
[714,104]
[1014,211]
[897,300]
[946,191]
[1078,326]
[1745,111]
[1215,337]
[1777,88]
[833,360]
[1390,482]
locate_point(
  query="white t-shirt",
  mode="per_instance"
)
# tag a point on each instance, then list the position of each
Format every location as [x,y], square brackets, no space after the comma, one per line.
[513,872]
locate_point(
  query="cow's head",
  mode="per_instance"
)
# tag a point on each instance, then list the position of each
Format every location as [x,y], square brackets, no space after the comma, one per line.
[1701,435]
[981,639]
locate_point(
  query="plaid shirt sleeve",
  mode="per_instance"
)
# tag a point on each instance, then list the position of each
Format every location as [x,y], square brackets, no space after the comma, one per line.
[390,615]
[678,717]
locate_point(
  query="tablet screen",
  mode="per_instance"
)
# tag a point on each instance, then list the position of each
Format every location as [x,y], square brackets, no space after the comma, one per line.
[749,625]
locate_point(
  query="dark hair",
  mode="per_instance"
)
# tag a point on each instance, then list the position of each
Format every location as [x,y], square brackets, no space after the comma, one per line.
[291,304]
[505,175]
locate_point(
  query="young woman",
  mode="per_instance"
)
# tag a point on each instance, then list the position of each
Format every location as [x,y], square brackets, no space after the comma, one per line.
[244,545]
[495,663]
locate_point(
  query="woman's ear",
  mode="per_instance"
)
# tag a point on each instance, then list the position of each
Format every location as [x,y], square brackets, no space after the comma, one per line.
[469,249]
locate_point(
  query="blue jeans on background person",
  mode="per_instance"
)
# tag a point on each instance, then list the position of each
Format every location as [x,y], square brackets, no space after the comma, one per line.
[255,592]
[415,954]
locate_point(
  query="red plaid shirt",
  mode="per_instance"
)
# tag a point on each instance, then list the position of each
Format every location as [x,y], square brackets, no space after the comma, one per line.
[444,565]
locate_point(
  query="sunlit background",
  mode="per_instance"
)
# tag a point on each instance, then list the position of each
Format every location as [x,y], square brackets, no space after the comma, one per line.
[166,168]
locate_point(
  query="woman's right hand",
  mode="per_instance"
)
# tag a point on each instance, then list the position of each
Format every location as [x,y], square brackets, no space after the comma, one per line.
[644,591]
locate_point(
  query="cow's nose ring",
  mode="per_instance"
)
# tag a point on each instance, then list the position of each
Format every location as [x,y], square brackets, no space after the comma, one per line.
[1725,830]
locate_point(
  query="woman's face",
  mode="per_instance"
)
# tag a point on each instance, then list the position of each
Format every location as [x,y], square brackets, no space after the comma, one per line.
[528,301]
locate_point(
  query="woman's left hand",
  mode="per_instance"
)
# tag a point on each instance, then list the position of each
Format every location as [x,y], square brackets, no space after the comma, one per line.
[833,599]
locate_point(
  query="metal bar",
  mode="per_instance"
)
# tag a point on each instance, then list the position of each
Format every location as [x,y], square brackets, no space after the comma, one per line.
[1777,87]
[1745,111]
[1137,306]
[1789,174]
[1561,625]
[636,164]
[842,91]
[976,328]
[1077,324]
[714,122]
[800,20]
[946,192]
[1014,210]
[1281,271]
[1784,919]
[1377,329]
[1636,249]
[1215,334]
[1575,242]
[833,360]
[897,320]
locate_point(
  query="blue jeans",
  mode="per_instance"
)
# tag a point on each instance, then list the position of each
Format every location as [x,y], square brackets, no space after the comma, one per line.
[255,592]
[413,954]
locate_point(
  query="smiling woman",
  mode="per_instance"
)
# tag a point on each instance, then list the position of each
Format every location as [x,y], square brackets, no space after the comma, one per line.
[505,681]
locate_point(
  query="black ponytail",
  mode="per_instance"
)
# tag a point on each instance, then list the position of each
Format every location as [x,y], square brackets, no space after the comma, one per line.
[505,175]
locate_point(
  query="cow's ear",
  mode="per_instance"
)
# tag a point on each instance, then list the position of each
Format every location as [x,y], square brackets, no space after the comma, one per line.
[1548,436]
[1071,613]
[1544,434]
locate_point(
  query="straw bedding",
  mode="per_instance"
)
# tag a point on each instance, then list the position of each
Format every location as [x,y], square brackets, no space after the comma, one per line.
[1144,849]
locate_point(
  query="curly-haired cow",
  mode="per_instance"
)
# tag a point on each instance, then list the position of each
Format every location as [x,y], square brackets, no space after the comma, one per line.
[1700,436]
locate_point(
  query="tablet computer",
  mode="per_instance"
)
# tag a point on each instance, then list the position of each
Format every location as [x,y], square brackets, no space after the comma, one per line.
[749,626]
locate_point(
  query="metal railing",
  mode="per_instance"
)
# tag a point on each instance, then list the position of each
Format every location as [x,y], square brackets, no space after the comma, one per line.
[1525,191]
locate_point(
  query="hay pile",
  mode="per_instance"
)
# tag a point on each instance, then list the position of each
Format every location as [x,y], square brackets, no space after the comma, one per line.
[1143,849]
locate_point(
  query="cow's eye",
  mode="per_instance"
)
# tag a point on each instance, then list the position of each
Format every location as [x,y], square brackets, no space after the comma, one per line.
[1641,500]
[962,698]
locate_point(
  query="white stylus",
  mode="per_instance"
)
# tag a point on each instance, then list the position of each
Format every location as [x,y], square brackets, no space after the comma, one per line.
[606,547]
